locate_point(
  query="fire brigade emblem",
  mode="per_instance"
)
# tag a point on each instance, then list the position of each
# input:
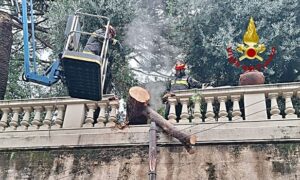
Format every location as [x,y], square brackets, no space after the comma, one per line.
[251,50]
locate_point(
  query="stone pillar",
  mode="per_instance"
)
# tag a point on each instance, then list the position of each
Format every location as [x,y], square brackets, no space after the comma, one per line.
[184,113]
[172,112]
[47,121]
[25,121]
[236,112]
[210,115]
[255,107]
[289,109]
[113,114]
[275,112]
[74,116]
[89,120]
[223,112]
[101,118]
[4,118]
[35,124]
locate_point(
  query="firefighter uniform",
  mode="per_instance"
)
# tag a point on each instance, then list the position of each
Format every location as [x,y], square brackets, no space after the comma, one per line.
[180,82]
[94,43]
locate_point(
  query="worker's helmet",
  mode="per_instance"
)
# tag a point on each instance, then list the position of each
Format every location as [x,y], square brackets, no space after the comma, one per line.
[180,65]
[112,31]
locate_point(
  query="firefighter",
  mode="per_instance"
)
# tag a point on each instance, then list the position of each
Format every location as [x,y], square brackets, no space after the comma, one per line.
[94,43]
[181,81]
[94,46]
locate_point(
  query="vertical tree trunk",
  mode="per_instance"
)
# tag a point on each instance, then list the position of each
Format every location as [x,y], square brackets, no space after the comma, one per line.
[6,40]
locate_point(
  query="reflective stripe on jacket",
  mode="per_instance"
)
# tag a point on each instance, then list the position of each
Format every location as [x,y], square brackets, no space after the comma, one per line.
[180,83]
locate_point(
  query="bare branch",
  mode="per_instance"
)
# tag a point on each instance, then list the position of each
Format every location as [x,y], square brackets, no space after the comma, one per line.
[134,58]
[17,50]
[41,61]
[148,74]
[47,44]
[18,21]
[37,23]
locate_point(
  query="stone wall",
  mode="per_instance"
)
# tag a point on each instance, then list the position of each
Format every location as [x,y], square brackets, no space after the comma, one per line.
[226,161]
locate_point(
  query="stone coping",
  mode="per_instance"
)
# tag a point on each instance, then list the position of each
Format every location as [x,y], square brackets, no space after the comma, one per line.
[240,90]
[207,133]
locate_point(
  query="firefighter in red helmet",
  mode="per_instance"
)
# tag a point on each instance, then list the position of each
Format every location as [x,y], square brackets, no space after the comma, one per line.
[181,81]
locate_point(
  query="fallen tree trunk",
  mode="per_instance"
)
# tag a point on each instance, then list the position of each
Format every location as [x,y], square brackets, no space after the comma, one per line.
[137,102]
[138,111]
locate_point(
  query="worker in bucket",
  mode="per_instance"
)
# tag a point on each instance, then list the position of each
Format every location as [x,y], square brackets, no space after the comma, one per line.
[95,41]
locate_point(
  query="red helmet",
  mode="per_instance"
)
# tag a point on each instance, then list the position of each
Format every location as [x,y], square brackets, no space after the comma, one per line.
[180,65]
[112,31]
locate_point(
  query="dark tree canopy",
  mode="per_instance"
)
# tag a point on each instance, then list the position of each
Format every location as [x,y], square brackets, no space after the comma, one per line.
[156,33]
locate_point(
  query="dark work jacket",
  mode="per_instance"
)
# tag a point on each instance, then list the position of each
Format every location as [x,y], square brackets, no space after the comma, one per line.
[94,43]
[182,83]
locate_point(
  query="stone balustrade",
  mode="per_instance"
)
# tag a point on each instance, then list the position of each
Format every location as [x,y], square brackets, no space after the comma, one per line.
[259,113]
[219,104]
[56,113]
[239,103]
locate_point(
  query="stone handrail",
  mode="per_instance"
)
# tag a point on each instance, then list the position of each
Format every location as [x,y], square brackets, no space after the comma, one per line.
[217,115]
[56,113]
[238,103]
[219,104]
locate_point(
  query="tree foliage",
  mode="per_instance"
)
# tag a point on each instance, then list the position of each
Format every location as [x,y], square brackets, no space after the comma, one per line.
[156,33]
[16,88]
[208,27]
[120,13]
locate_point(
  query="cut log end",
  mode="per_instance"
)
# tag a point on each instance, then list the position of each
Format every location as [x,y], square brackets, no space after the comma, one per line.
[193,139]
[138,112]
[139,94]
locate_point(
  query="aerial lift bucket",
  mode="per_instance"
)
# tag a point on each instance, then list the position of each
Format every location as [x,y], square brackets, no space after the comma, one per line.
[84,73]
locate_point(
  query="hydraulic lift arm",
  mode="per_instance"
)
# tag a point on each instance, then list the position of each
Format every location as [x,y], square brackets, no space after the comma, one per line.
[83,73]
[52,74]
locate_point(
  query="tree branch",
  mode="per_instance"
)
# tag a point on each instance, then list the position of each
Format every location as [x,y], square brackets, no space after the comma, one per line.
[38,28]
[47,44]
[148,74]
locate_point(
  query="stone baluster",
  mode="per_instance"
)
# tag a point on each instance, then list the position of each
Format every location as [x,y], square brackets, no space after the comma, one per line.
[274,106]
[172,112]
[289,109]
[236,111]
[210,115]
[60,117]
[101,118]
[25,121]
[184,112]
[223,115]
[13,124]
[113,114]
[89,120]
[36,122]
[47,121]
[197,110]
[4,118]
